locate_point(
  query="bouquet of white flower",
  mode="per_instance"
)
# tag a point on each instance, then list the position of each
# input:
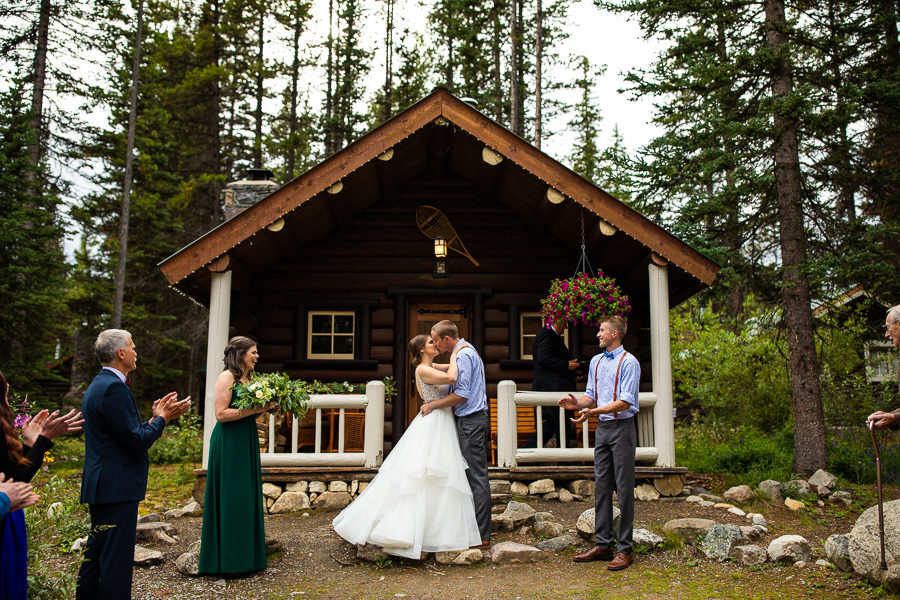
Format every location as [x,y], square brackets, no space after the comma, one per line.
[290,395]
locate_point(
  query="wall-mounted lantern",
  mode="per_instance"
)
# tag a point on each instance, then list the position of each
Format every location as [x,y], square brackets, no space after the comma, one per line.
[440,265]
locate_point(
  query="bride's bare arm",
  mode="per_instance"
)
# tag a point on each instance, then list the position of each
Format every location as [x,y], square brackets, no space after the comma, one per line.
[434,376]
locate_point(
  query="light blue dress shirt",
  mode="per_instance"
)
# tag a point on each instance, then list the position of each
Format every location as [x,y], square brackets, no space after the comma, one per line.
[470,381]
[602,378]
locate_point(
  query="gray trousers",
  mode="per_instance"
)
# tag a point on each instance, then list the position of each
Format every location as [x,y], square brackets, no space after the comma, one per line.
[472,431]
[614,470]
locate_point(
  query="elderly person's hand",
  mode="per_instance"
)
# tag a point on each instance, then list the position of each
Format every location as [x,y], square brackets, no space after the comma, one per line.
[174,407]
[20,493]
[880,419]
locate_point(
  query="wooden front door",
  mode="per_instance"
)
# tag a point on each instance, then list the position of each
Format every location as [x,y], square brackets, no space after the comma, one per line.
[422,314]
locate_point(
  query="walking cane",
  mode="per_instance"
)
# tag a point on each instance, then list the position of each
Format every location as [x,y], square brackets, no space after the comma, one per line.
[880,501]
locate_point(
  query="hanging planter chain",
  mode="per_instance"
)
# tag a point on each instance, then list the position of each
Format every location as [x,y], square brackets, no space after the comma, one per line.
[584,265]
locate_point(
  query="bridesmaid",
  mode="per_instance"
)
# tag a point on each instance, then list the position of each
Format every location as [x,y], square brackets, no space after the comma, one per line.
[233,538]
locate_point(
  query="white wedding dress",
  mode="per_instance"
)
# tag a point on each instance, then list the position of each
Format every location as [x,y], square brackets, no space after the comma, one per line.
[420,501]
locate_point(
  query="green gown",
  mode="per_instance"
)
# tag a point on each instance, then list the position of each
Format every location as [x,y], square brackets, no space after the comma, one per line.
[233,538]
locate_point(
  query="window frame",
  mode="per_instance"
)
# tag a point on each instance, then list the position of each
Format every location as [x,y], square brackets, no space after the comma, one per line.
[880,348]
[332,335]
[522,335]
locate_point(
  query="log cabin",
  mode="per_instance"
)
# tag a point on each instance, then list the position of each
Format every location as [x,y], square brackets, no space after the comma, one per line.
[336,270]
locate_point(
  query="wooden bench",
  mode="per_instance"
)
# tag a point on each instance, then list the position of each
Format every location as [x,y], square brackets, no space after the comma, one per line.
[525,425]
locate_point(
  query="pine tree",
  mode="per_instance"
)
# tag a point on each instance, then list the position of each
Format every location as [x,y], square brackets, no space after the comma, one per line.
[585,157]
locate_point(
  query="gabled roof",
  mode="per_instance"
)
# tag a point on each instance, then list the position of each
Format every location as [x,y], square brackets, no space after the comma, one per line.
[180,267]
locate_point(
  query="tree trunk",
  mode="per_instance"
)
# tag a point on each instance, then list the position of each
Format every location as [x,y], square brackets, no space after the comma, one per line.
[260,73]
[388,60]
[513,69]
[292,124]
[37,96]
[806,398]
[538,59]
[495,60]
[125,215]
[329,85]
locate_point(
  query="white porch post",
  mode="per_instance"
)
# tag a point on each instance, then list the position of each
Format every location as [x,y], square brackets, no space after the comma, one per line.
[661,355]
[217,339]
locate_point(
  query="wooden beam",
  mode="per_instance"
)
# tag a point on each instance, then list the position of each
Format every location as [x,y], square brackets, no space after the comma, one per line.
[301,190]
[242,280]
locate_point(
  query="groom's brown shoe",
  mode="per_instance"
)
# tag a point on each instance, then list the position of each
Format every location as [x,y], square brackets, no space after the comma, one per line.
[595,553]
[621,561]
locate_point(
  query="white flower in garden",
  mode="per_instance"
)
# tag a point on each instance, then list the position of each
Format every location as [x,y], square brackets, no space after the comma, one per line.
[259,393]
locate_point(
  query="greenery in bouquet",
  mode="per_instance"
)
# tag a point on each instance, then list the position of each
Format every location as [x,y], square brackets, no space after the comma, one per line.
[289,395]
[584,299]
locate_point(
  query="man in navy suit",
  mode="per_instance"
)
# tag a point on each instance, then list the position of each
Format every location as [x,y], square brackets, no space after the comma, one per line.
[554,371]
[115,466]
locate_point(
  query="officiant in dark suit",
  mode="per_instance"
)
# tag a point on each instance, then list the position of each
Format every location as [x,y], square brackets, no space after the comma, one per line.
[554,371]
[116,466]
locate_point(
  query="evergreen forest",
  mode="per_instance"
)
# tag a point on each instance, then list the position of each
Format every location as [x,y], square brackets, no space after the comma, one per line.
[777,154]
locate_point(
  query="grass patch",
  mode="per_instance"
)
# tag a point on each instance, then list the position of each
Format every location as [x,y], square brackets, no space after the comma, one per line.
[747,455]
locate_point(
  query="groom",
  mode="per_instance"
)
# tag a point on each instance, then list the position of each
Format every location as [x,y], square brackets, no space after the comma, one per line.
[469,401]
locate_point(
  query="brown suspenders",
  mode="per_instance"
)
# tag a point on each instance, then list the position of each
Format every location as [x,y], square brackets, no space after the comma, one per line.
[615,385]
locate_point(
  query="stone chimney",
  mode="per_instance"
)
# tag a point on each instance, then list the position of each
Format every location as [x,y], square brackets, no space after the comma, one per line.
[237,196]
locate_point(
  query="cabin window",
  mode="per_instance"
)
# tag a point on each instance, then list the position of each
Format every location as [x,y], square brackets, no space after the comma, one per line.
[331,334]
[881,361]
[529,324]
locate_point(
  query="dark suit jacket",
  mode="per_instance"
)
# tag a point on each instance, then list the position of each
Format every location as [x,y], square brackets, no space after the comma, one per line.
[551,363]
[115,443]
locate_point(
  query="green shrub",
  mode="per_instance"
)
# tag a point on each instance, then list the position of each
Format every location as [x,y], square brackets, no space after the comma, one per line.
[180,443]
[852,457]
[48,535]
[746,452]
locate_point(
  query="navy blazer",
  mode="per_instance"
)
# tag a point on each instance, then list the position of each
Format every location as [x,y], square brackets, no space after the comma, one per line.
[551,363]
[115,443]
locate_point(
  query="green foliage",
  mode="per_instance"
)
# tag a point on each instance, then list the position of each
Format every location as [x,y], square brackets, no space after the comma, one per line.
[584,299]
[746,452]
[180,443]
[732,374]
[290,395]
[851,455]
[50,535]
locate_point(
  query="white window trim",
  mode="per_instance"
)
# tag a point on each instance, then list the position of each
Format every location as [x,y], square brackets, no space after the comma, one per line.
[871,376]
[332,314]
[523,335]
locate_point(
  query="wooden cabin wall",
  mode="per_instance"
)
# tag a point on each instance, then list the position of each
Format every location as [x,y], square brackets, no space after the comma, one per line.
[380,249]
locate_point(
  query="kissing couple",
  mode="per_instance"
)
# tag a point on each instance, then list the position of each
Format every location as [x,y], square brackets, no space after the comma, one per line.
[432,493]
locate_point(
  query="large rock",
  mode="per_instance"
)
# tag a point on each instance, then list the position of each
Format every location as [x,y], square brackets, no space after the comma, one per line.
[797,487]
[739,494]
[290,502]
[332,500]
[273,545]
[790,549]
[338,486]
[317,487]
[890,580]
[771,488]
[837,550]
[188,564]
[501,523]
[841,496]
[192,509]
[459,557]
[144,557]
[710,497]
[149,533]
[511,552]
[557,544]
[793,505]
[748,555]
[669,485]
[689,528]
[585,523]
[865,553]
[719,541]
[517,488]
[565,496]
[520,513]
[500,486]
[541,486]
[549,528]
[822,478]
[643,537]
[646,493]
[582,487]
[270,490]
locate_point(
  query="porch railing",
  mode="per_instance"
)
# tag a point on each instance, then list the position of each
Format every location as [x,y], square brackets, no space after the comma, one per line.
[509,455]
[373,445]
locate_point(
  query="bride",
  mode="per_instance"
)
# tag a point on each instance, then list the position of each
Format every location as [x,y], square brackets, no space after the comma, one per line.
[420,501]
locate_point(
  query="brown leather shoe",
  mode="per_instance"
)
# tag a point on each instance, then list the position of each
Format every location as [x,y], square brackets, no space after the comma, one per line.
[595,553]
[621,561]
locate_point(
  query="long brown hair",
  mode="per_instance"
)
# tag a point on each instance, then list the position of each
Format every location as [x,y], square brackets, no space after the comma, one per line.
[7,426]
[234,355]
[416,345]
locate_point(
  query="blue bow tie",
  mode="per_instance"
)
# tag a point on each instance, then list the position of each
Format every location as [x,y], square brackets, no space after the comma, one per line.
[608,354]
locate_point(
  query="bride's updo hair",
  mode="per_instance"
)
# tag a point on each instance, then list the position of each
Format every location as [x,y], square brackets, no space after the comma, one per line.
[234,355]
[416,345]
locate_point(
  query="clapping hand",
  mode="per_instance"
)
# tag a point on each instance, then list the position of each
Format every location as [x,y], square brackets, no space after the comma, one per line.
[583,415]
[20,493]
[169,407]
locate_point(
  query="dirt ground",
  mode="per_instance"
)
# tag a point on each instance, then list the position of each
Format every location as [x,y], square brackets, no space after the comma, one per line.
[316,563]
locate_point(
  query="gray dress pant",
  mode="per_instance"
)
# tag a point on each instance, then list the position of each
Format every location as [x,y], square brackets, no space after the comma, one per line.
[614,470]
[472,431]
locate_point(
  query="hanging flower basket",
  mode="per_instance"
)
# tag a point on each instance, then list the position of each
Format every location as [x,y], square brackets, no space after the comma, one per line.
[584,299]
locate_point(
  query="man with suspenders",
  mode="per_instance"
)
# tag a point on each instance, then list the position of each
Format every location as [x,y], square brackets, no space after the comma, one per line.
[614,378]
